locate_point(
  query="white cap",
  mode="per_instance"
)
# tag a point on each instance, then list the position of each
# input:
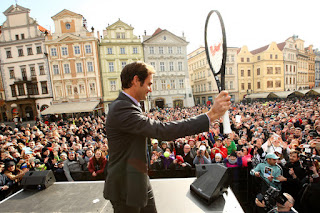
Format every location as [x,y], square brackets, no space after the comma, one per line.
[202,148]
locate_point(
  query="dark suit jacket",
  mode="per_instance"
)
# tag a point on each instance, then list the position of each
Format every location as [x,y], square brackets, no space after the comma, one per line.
[127,129]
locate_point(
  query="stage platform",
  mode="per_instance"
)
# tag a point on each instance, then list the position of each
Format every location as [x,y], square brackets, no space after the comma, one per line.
[171,195]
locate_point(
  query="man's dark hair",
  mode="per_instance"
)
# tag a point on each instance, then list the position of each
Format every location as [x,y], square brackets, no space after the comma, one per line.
[137,68]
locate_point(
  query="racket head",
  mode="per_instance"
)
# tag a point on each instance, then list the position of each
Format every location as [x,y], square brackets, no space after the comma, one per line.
[215,42]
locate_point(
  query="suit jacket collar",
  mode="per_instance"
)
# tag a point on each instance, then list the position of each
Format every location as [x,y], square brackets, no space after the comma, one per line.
[122,96]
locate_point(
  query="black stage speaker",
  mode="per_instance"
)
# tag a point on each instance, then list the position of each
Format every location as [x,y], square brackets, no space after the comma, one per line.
[38,179]
[212,180]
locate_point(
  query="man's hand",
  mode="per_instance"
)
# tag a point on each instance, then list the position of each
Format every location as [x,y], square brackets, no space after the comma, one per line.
[270,178]
[281,178]
[220,106]
[257,174]
[260,204]
[5,187]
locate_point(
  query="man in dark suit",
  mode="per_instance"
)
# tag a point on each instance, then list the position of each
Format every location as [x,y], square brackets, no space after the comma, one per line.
[127,184]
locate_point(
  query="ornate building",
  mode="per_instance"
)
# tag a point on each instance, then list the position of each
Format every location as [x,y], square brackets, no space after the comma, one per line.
[203,84]
[302,61]
[311,66]
[73,60]
[167,53]
[118,47]
[246,73]
[317,68]
[24,66]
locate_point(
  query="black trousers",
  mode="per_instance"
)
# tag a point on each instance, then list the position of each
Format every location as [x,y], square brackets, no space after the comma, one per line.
[121,207]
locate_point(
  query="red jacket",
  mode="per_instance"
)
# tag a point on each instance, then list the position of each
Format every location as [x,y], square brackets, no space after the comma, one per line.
[223,151]
[92,169]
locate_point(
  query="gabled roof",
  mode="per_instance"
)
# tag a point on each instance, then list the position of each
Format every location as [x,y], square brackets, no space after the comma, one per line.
[160,31]
[42,29]
[66,12]
[281,45]
[16,9]
[119,22]
[264,48]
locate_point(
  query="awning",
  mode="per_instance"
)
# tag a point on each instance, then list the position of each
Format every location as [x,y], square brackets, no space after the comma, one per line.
[287,94]
[317,90]
[73,107]
[261,95]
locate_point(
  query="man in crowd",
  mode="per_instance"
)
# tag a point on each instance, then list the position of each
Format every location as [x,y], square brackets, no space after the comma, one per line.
[127,185]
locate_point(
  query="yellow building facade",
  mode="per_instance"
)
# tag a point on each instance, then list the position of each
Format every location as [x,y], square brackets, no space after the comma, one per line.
[311,66]
[245,69]
[302,62]
[118,47]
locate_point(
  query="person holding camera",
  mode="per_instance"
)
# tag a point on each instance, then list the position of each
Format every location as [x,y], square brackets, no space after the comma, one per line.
[202,156]
[285,207]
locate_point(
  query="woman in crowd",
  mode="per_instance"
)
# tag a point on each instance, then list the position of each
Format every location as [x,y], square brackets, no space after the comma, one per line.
[97,165]
[202,156]
[246,156]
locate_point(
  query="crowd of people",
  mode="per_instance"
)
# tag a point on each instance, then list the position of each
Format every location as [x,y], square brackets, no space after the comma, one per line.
[278,140]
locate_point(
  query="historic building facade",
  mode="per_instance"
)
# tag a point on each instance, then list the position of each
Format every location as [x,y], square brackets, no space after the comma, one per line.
[73,60]
[290,64]
[311,66]
[203,84]
[317,68]
[24,65]
[245,73]
[302,62]
[167,53]
[118,47]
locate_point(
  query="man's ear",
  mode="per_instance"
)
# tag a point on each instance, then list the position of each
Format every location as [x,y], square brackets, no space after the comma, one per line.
[136,80]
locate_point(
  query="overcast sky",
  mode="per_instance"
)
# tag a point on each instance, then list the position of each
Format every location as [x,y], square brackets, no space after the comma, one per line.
[253,23]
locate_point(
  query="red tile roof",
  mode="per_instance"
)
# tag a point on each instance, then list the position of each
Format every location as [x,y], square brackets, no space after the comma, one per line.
[42,29]
[157,31]
[259,50]
[281,45]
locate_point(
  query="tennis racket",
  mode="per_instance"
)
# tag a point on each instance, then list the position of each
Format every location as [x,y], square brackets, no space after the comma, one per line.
[216,51]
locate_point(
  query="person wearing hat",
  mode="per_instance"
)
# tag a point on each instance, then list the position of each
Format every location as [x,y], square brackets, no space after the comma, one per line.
[179,164]
[270,171]
[155,147]
[233,160]
[202,156]
[218,147]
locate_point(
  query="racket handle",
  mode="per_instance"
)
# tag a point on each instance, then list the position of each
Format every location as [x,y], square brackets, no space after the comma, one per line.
[226,123]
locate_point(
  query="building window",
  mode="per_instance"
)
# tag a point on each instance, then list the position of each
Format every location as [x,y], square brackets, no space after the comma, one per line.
[21,89]
[44,87]
[278,83]
[118,35]
[55,69]
[111,67]
[170,50]
[230,71]
[109,49]
[39,49]
[66,68]
[160,50]
[269,84]
[249,85]
[79,67]
[13,90]
[64,50]
[53,51]
[248,59]
[29,51]
[81,89]
[270,70]
[113,86]
[179,50]
[23,73]
[22,36]
[153,64]
[270,56]
[231,84]
[92,88]
[242,86]
[33,71]
[58,91]
[171,66]
[76,50]
[242,59]
[17,37]
[258,71]
[123,35]
[278,70]
[90,66]
[258,85]
[181,83]
[68,26]
[32,89]
[259,58]
[9,54]
[135,50]
[276,56]
[41,70]
[122,50]
[249,73]
[242,73]
[151,50]
[162,66]
[69,89]
[88,49]
[20,52]
[123,64]
[172,84]
[163,84]
[180,66]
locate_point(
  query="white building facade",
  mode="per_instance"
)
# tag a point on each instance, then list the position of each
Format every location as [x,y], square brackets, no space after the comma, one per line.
[167,53]
[24,65]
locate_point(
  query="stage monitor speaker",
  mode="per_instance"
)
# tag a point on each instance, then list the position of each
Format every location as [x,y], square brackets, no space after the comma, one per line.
[212,181]
[38,179]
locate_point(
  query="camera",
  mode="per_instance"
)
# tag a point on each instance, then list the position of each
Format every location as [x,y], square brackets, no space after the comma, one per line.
[271,197]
